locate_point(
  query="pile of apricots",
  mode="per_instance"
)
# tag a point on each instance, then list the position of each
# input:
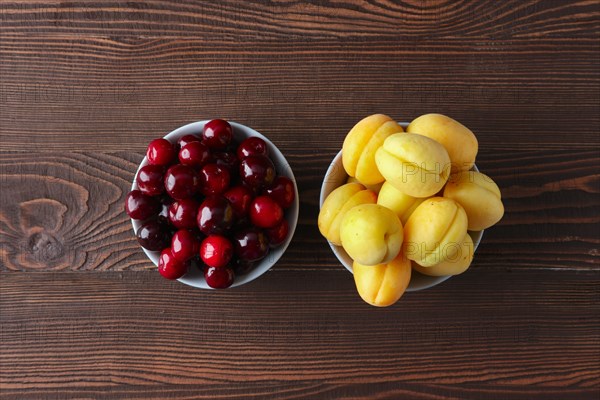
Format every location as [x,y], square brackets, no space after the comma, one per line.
[408,204]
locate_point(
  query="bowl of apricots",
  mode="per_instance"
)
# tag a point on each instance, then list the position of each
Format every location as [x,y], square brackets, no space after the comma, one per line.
[403,205]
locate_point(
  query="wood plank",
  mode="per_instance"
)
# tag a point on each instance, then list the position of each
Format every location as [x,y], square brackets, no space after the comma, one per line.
[289,334]
[282,19]
[110,93]
[64,211]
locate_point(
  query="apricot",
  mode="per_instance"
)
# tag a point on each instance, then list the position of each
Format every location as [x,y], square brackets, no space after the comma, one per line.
[414,164]
[337,204]
[361,143]
[382,285]
[400,203]
[479,195]
[376,187]
[457,264]
[458,140]
[434,231]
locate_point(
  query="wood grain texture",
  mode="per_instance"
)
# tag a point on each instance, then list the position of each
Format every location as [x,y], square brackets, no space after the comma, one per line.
[87,333]
[85,85]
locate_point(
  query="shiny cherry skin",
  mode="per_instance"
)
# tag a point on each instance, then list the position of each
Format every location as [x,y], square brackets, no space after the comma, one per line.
[154,236]
[150,179]
[216,251]
[213,179]
[219,278]
[169,266]
[241,267]
[217,134]
[253,146]
[187,139]
[181,182]
[141,206]
[194,154]
[240,198]
[227,160]
[184,245]
[161,152]
[250,244]
[183,213]
[282,191]
[257,171]
[215,215]
[278,234]
[265,212]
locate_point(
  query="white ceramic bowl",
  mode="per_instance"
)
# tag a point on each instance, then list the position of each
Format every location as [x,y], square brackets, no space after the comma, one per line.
[195,277]
[335,177]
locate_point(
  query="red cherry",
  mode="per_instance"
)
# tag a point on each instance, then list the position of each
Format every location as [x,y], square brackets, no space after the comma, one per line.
[250,244]
[187,139]
[150,179]
[219,278]
[161,152]
[184,245]
[140,206]
[257,171]
[278,234]
[182,213]
[213,179]
[241,267]
[253,146]
[282,191]
[194,154]
[181,181]
[169,266]
[265,212]
[228,161]
[240,198]
[216,251]
[215,215]
[153,235]
[217,134]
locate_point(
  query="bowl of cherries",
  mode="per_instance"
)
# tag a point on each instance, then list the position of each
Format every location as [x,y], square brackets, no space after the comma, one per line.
[214,204]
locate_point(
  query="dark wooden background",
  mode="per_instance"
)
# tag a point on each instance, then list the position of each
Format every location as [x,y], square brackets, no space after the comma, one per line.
[84,86]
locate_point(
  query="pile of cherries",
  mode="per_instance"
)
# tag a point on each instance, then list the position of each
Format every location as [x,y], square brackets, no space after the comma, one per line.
[208,202]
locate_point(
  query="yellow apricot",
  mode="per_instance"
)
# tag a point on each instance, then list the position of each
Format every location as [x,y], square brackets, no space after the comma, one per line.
[414,164]
[400,203]
[382,285]
[337,204]
[458,140]
[376,188]
[457,264]
[480,197]
[361,143]
[434,231]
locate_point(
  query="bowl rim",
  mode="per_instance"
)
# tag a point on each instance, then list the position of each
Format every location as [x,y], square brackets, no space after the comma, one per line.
[426,281]
[195,277]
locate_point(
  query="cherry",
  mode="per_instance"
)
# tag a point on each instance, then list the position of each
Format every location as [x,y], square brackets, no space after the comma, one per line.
[278,233]
[218,278]
[182,213]
[240,198]
[217,134]
[194,154]
[216,251]
[253,146]
[265,212]
[187,139]
[184,245]
[150,179]
[282,191]
[250,244]
[153,235]
[257,171]
[161,152]
[140,206]
[215,215]
[241,267]
[228,160]
[169,266]
[213,179]
[181,182]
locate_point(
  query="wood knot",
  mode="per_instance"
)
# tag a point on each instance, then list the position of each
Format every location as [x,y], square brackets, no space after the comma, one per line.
[45,247]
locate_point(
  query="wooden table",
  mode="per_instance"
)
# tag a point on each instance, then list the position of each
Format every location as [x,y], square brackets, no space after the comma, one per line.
[84,86]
